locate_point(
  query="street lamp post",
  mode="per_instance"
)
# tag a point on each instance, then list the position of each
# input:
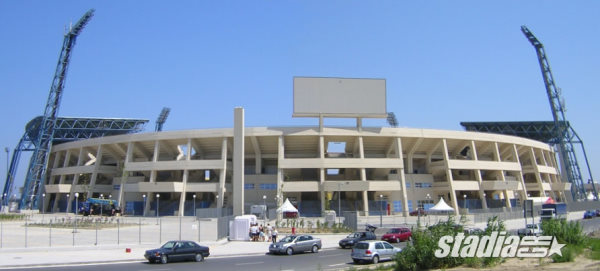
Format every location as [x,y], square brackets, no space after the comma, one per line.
[428,197]
[194,197]
[265,204]
[157,205]
[144,207]
[76,203]
[380,210]
[101,205]
[465,200]
[43,203]
[67,202]
[339,201]
[7,176]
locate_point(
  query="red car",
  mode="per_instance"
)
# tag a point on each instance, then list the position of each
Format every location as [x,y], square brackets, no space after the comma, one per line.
[397,235]
[417,212]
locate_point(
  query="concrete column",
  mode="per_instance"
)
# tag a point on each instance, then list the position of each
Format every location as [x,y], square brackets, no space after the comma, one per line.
[94,177]
[124,175]
[75,181]
[449,177]
[400,171]
[363,173]
[520,175]
[538,177]
[280,157]
[222,174]
[238,161]
[183,193]
[478,176]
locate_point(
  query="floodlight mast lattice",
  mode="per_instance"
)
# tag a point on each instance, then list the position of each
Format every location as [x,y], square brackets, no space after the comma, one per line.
[36,174]
[564,135]
[164,113]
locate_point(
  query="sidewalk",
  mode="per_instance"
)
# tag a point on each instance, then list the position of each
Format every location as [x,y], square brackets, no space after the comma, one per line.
[22,257]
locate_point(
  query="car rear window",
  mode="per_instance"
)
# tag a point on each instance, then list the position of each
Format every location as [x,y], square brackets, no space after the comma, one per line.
[362,246]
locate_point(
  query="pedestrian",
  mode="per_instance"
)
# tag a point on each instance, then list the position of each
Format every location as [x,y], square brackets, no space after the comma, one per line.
[274,235]
[261,233]
[269,232]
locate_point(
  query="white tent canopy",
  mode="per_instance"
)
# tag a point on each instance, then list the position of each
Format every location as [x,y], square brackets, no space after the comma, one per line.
[287,207]
[441,206]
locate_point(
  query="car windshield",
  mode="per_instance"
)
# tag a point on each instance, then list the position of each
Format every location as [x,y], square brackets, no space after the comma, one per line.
[354,235]
[394,231]
[168,245]
[531,226]
[288,239]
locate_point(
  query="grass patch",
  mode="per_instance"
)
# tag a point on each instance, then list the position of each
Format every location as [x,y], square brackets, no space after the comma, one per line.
[11,217]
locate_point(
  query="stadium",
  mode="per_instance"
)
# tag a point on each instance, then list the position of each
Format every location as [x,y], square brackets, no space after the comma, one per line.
[365,169]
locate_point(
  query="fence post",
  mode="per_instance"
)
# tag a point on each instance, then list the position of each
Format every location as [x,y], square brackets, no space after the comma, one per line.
[50,234]
[96,233]
[118,232]
[160,231]
[140,231]
[26,232]
[199,230]
[74,230]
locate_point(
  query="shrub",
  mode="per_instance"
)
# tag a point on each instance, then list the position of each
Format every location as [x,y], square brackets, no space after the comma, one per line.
[420,254]
[565,232]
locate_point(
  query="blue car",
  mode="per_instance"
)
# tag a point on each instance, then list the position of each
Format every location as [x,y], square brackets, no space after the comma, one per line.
[589,214]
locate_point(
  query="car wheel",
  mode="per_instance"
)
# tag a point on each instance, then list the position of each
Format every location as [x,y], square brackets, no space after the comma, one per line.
[375,259]
[164,259]
[356,261]
[315,249]
[289,251]
[199,257]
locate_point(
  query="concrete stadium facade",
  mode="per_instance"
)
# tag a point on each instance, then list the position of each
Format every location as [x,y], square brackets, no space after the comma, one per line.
[358,169]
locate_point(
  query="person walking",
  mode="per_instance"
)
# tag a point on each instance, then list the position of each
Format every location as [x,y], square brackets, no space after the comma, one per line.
[269,232]
[274,235]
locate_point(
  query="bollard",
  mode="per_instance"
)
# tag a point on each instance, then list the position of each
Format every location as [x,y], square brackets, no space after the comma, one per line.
[127,250]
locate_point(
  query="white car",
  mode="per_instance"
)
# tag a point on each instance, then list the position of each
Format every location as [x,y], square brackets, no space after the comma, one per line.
[373,251]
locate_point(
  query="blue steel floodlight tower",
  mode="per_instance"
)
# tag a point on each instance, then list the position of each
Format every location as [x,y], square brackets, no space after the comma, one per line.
[564,134]
[43,141]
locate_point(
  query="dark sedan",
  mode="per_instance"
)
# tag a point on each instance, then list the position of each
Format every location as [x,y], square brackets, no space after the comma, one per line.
[177,251]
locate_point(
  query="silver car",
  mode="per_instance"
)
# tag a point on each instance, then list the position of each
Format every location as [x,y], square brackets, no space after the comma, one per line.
[295,243]
[373,251]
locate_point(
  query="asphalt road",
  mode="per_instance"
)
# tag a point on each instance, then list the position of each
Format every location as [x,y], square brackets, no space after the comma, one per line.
[329,259]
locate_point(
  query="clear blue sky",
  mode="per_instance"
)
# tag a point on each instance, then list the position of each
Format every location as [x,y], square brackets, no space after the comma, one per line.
[444,61]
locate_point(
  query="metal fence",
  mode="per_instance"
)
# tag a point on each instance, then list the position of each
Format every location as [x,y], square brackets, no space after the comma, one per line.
[68,230]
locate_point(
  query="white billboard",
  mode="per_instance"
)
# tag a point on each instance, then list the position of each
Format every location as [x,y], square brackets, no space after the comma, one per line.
[339,97]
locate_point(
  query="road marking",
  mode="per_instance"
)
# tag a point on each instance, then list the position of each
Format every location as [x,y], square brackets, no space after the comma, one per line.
[249,263]
[332,265]
[332,255]
[52,265]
